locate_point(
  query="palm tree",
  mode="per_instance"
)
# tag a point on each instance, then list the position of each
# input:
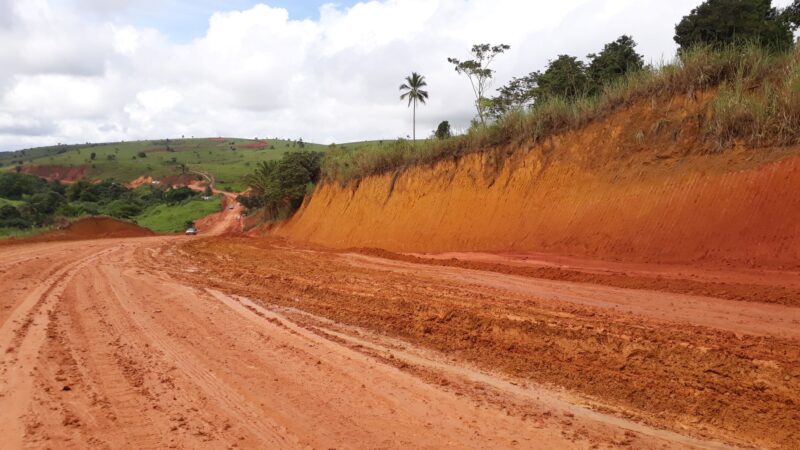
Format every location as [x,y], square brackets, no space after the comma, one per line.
[412,89]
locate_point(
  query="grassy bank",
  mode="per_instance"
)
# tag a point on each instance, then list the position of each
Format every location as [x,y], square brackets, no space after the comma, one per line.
[173,218]
[6,233]
[757,101]
[5,201]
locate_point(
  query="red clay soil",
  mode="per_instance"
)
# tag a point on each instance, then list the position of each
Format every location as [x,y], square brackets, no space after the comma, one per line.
[66,174]
[227,221]
[177,180]
[706,367]
[123,343]
[170,180]
[641,185]
[780,287]
[256,146]
[144,180]
[189,342]
[86,229]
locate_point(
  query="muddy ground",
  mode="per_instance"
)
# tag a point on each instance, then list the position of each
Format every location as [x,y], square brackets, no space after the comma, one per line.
[189,342]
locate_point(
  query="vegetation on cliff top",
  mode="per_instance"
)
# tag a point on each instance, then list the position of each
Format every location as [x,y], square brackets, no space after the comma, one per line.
[740,50]
[756,101]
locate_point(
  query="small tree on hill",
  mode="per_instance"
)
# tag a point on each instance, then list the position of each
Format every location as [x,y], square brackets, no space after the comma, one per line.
[565,77]
[479,74]
[615,60]
[719,22]
[443,130]
[517,95]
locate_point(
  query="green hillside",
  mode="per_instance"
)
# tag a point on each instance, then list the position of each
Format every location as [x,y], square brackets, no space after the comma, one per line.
[228,159]
[172,218]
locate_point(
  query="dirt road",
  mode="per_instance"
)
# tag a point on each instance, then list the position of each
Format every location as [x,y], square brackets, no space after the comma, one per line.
[231,342]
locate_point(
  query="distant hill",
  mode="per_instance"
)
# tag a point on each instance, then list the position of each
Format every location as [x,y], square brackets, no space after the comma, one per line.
[227,159]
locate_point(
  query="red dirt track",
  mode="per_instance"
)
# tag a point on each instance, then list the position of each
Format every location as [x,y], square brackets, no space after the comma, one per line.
[186,342]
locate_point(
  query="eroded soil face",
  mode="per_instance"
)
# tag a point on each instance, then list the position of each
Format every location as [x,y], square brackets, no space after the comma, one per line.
[181,342]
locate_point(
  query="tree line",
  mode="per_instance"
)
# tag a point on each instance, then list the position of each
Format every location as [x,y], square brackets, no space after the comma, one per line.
[713,23]
[42,202]
[279,186]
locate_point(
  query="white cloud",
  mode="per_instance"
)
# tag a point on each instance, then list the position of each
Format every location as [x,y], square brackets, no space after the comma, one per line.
[69,76]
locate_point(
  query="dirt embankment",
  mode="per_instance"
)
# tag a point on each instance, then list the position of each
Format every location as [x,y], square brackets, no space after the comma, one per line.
[85,229]
[642,185]
[144,180]
[65,174]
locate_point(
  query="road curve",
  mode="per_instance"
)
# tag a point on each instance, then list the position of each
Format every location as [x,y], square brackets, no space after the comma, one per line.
[115,344]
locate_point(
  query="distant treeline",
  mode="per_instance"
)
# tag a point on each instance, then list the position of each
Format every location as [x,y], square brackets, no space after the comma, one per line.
[38,202]
[745,48]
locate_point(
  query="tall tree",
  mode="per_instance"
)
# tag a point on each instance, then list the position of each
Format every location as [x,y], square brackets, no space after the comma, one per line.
[717,22]
[479,74]
[792,15]
[564,77]
[616,59]
[412,90]
[517,95]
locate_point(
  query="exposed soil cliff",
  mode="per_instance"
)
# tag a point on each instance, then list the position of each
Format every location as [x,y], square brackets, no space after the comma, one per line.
[641,185]
[65,174]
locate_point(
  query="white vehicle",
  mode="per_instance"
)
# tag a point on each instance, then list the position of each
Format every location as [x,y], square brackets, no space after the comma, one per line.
[230,206]
[191,231]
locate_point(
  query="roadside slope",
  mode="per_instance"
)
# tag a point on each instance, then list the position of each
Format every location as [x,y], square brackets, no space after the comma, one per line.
[642,185]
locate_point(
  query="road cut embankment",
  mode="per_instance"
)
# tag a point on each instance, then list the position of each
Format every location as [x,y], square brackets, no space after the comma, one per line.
[642,185]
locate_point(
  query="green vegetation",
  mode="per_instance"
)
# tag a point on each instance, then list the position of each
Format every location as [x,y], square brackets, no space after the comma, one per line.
[741,48]
[280,186]
[443,131]
[6,232]
[174,218]
[568,78]
[228,160]
[725,22]
[31,204]
[615,60]
[479,73]
[758,101]
[5,201]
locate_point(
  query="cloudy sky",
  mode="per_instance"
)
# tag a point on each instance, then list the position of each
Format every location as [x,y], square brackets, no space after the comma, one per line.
[104,70]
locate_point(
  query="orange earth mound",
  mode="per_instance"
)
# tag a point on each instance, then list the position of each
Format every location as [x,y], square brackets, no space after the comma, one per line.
[87,228]
[66,174]
[640,185]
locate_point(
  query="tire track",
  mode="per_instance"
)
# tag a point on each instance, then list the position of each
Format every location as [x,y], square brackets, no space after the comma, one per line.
[21,339]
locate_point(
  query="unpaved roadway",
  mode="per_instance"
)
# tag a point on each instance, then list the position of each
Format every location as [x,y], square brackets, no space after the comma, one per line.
[184,342]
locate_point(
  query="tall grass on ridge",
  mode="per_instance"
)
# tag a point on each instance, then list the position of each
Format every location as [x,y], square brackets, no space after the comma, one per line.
[757,102]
